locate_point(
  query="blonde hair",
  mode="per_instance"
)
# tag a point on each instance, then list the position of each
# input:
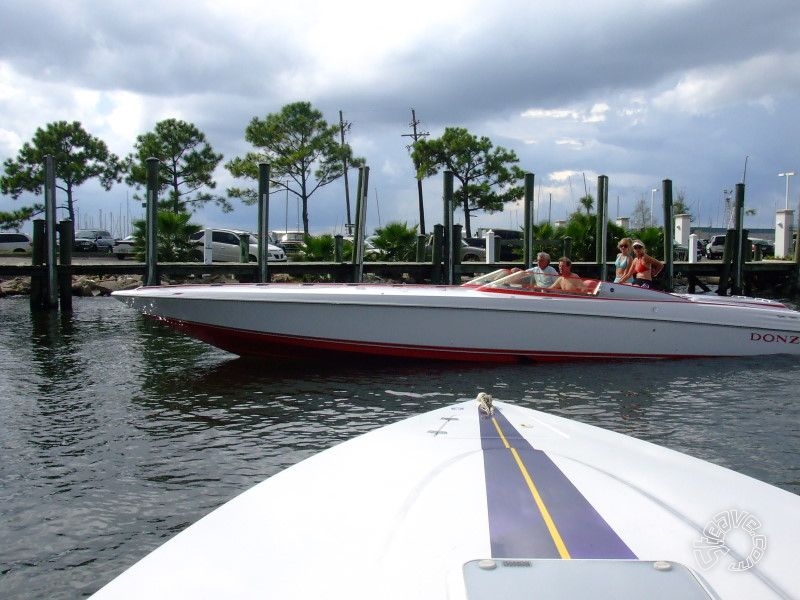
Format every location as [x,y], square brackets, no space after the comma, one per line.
[628,241]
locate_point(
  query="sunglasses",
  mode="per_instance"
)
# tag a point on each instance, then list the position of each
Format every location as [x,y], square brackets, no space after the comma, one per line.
[638,247]
[622,246]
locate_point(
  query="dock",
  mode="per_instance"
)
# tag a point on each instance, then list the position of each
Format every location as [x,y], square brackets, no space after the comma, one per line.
[760,277]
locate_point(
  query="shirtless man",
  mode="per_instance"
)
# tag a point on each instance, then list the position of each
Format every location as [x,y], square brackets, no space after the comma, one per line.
[569,281]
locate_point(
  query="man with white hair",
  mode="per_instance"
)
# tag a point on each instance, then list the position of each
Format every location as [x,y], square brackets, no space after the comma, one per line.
[543,273]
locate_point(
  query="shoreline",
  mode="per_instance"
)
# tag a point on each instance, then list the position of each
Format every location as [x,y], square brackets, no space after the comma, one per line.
[81,285]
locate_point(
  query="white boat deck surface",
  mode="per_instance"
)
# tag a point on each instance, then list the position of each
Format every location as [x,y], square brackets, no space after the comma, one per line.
[457,504]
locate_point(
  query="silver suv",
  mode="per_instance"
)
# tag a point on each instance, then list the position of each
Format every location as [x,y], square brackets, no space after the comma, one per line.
[93,240]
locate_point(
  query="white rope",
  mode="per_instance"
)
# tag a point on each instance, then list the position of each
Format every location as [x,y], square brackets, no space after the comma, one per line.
[485,403]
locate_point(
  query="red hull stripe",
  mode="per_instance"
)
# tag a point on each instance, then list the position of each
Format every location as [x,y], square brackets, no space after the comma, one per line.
[253,343]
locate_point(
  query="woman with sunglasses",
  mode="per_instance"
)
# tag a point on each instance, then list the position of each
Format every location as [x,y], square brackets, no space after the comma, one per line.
[644,267]
[623,261]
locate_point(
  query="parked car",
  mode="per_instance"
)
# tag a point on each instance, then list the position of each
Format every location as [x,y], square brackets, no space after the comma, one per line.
[681,252]
[225,246]
[93,240]
[511,242]
[468,253]
[715,247]
[124,247]
[767,248]
[505,234]
[15,242]
[291,241]
[372,252]
[471,253]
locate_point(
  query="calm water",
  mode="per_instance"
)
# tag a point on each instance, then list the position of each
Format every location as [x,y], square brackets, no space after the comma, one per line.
[116,433]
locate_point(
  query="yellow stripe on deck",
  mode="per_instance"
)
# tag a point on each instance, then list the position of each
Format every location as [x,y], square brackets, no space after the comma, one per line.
[548,520]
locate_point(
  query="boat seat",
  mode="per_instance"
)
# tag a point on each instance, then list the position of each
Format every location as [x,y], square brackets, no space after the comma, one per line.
[592,286]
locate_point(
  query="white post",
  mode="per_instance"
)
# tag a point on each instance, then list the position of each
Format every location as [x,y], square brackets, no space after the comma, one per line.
[489,237]
[783,233]
[208,248]
[693,247]
[682,229]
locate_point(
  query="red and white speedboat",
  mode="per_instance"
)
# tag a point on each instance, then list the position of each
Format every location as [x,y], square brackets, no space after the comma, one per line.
[501,321]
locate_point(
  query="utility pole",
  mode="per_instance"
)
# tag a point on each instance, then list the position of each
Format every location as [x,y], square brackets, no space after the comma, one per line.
[416,136]
[343,126]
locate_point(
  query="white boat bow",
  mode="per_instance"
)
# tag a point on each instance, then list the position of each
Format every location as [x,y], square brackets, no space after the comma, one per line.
[461,503]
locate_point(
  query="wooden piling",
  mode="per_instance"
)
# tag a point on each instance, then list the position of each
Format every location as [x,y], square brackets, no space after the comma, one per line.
[601,225]
[244,248]
[263,222]
[436,254]
[447,198]
[529,219]
[357,269]
[361,218]
[66,236]
[244,257]
[456,253]
[725,269]
[338,248]
[151,254]
[669,261]
[37,260]
[739,251]
[51,297]
[421,241]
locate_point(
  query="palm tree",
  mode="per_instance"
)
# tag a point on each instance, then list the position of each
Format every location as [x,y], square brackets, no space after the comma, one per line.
[316,248]
[588,203]
[582,229]
[173,233]
[396,241]
[547,238]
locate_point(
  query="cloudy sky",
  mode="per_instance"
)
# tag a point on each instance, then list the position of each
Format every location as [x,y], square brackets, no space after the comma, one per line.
[703,92]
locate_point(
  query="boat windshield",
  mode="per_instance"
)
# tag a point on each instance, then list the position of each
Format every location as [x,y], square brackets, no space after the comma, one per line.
[524,281]
[490,277]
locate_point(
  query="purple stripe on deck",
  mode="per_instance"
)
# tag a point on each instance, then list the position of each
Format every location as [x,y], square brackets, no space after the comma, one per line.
[516,526]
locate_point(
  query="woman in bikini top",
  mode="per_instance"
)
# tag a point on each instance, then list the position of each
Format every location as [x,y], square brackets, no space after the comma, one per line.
[623,261]
[641,268]
[644,266]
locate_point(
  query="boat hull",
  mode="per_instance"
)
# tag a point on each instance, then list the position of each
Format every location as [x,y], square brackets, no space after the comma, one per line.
[455,323]
[414,509]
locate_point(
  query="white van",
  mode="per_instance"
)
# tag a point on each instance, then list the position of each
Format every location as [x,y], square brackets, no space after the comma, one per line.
[15,242]
[225,246]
